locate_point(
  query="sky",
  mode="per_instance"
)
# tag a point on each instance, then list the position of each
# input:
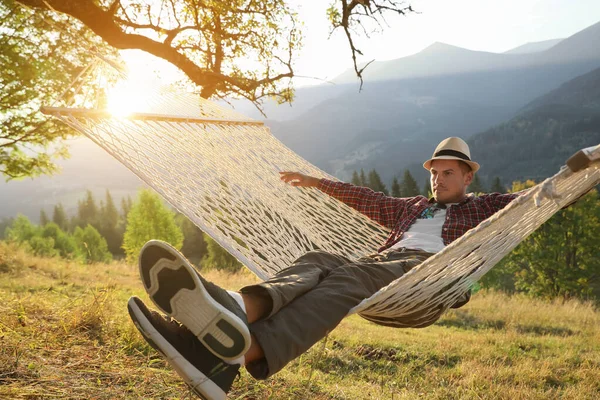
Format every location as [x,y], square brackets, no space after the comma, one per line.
[482,25]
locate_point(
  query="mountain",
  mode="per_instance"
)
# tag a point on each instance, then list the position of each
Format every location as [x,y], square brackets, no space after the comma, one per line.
[544,135]
[568,58]
[393,123]
[444,59]
[583,91]
[534,47]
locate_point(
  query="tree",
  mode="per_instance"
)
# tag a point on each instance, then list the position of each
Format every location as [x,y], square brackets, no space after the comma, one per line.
[376,183]
[43,217]
[46,44]
[409,186]
[396,190]
[21,230]
[42,246]
[37,66]
[350,15]
[363,178]
[476,186]
[126,204]
[59,217]
[210,42]
[560,259]
[109,225]
[207,40]
[194,247]
[5,223]
[64,244]
[497,186]
[356,179]
[218,258]
[87,211]
[427,189]
[149,219]
[92,245]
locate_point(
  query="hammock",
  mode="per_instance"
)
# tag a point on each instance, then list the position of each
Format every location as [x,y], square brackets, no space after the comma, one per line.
[220,169]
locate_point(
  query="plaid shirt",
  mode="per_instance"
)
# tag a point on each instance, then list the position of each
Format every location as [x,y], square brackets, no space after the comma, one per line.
[398,214]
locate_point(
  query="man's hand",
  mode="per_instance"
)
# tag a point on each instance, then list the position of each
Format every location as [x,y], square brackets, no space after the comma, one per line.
[298,179]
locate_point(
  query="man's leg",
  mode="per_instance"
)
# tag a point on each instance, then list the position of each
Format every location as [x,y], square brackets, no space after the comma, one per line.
[289,313]
[217,317]
[267,298]
[292,329]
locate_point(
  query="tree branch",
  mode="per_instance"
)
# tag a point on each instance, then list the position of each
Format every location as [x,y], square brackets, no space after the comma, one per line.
[103,23]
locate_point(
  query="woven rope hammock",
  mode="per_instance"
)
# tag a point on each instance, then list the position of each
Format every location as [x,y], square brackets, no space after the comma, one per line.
[220,169]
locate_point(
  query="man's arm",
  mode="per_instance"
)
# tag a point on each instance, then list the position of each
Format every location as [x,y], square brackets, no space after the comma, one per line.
[375,205]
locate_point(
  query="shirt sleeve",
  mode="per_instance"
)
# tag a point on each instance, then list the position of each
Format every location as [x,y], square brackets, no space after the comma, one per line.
[375,205]
[499,200]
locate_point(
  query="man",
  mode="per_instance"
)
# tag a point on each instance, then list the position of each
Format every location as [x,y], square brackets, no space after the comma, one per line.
[211,332]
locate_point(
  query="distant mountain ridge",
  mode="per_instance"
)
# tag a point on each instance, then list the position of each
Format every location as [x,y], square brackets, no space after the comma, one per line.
[534,47]
[583,91]
[445,59]
[545,134]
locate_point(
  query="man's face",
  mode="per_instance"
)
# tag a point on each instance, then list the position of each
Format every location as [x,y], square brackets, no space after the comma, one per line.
[448,181]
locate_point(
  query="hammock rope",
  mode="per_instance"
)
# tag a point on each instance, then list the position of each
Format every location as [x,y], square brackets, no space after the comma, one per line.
[220,169]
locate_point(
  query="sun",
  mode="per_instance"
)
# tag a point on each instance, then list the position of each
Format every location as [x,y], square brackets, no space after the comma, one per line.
[131,95]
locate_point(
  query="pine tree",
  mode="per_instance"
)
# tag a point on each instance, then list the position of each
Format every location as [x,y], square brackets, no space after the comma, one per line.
[59,217]
[476,186]
[363,178]
[43,217]
[194,246]
[396,190]
[149,219]
[375,182]
[109,225]
[356,179]
[126,205]
[427,189]
[409,186]
[497,186]
[87,211]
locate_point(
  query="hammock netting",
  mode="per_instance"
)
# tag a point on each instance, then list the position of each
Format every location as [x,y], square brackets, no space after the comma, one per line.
[220,169]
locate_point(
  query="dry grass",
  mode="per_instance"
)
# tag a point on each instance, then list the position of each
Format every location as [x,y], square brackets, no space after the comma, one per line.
[65,333]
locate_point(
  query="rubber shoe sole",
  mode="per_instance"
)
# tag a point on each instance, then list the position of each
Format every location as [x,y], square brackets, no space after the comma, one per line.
[196,380]
[176,289]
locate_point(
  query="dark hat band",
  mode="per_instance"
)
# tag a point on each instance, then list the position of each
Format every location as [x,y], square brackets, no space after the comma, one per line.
[454,153]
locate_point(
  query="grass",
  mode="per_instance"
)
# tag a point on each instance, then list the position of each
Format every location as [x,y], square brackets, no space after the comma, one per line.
[65,333]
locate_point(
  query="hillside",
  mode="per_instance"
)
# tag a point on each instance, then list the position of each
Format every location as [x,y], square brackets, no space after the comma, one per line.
[534,47]
[66,334]
[547,132]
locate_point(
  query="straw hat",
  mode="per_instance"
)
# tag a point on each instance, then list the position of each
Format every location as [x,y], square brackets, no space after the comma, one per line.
[452,148]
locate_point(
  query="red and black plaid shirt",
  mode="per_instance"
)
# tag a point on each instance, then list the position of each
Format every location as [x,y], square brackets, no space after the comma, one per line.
[398,214]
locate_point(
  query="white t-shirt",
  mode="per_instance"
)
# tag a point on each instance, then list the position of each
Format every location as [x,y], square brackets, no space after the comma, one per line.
[425,233]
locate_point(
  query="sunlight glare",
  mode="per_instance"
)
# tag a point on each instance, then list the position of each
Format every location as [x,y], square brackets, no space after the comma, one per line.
[129,96]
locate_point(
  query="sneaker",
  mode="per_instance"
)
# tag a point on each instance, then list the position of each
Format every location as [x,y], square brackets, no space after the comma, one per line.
[208,376]
[207,310]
